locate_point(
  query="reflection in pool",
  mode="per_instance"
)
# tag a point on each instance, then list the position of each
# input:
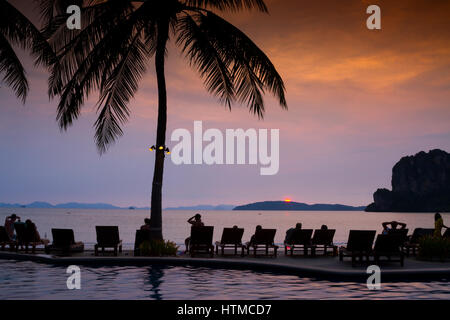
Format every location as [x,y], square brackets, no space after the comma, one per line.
[29,280]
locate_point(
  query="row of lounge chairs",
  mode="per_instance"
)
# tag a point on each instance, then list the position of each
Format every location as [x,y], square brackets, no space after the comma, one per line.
[391,247]
[360,245]
[25,238]
[262,243]
[63,240]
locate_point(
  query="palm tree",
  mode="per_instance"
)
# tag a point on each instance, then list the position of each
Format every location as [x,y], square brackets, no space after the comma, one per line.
[118,37]
[17,30]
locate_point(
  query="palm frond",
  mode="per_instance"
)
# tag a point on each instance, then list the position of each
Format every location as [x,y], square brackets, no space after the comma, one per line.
[112,61]
[21,31]
[12,68]
[201,53]
[251,71]
[17,30]
[73,46]
[117,91]
[228,5]
[91,71]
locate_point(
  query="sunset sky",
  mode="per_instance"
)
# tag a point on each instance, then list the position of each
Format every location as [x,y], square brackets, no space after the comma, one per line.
[358,101]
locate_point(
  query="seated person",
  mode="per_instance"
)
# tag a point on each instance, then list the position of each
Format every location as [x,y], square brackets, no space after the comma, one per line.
[438,225]
[393,226]
[252,238]
[324,227]
[146,225]
[9,225]
[290,232]
[195,221]
[30,226]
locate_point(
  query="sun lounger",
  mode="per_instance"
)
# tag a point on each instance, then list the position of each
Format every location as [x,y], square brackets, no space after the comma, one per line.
[323,240]
[263,242]
[300,240]
[402,236]
[108,237]
[64,242]
[389,246]
[141,236]
[402,233]
[5,240]
[27,237]
[359,245]
[231,238]
[412,244]
[201,240]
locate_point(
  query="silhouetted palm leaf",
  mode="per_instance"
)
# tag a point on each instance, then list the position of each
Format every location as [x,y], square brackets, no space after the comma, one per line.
[17,30]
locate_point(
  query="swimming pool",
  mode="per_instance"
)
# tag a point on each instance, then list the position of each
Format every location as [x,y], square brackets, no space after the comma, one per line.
[30,280]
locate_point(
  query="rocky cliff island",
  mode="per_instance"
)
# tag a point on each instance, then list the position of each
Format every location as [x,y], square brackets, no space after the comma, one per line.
[420,183]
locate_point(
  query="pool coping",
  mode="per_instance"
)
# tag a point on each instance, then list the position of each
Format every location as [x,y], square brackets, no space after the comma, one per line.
[254,264]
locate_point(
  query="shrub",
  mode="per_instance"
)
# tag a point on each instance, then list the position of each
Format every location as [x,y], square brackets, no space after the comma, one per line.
[158,248]
[434,247]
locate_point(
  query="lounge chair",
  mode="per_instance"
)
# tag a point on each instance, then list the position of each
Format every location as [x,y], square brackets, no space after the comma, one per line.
[108,237]
[402,233]
[5,240]
[231,238]
[263,241]
[359,245]
[412,243]
[389,246]
[141,236]
[201,240]
[26,237]
[300,240]
[323,240]
[64,242]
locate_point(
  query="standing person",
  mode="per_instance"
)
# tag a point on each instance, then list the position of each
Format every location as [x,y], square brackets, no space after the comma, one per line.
[438,225]
[195,221]
[9,224]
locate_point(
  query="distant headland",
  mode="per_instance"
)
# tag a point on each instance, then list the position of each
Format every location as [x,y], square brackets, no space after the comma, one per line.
[420,183]
[296,206]
[69,205]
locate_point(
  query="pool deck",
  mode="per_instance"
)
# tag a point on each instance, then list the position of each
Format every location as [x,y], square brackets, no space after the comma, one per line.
[319,266]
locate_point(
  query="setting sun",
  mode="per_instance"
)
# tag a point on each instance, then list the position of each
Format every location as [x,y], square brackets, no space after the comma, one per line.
[287,200]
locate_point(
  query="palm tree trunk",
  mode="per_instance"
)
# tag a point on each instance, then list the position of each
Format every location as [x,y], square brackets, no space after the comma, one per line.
[156,202]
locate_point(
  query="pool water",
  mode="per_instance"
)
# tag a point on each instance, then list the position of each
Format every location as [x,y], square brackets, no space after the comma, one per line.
[29,280]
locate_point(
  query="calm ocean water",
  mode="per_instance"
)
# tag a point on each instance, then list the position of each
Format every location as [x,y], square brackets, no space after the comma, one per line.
[175,228]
